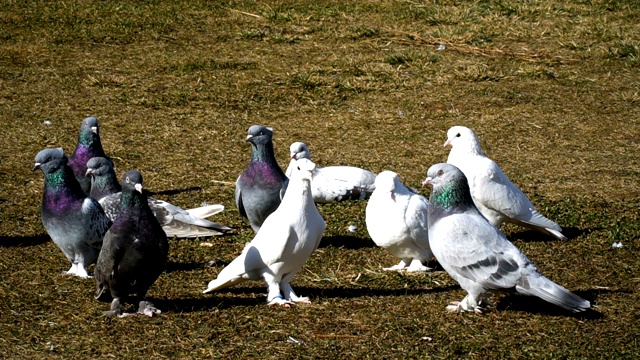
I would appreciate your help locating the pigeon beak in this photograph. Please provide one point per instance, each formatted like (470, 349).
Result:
(249, 137)
(36, 167)
(138, 188)
(94, 129)
(89, 172)
(448, 142)
(427, 181)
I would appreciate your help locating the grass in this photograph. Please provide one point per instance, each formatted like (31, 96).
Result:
(550, 87)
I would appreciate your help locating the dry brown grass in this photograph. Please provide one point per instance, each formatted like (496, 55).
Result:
(550, 87)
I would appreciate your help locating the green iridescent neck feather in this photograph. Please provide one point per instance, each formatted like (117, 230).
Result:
(453, 195)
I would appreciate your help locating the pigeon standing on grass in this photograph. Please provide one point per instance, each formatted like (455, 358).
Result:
(75, 221)
(492, 192)
(396, 219)
(89, 146)
(282, 245)
(476, 254)
(261, 186)
(334, 183)
(174, 220)
(134, 252)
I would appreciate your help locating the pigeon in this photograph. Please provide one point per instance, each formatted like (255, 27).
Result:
(75, 221)
(89, 146)
(492, 192)
(174, 220)
(476, 253)
(283, 244)
(396, 219)
(260, 188)
(134, 251)
(334, 183)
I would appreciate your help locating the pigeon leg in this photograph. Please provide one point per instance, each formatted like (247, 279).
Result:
(82, 272)
(401, 265)
(274, 297)
(73, 270)
(288, 292)
(116, 310)
(468, 304)
(416, 266)
(146, 307)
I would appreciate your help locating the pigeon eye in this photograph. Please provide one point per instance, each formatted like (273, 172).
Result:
(458, 135)
(440, 172)
(127, 180)
(298, 167)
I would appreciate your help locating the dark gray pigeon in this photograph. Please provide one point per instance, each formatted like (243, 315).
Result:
(134, 251)
(261, 186)
(175, 221)
(75, 221)
(476, 253)
(89, 146)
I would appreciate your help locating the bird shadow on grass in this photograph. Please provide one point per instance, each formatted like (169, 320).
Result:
(225, 299)
(534, 305)
(346, 242)
(173, 266)
(23, 241)
(173, 191)
(536, 236)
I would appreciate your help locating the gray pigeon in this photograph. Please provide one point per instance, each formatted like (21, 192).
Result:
(334, 183)
(260, 188)
(396, 219)
(75, 221)
(89, 146)
(283, 244)
(174, 220)
(476, 254)
(495, 196)
(134, 252)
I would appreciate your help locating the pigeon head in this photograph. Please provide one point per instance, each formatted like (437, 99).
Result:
(98, 166)
(89, 131)
(259, 134)
(462, 137)
(132, 181)
(50, 160)
(450, 186)
(299, 150)
(303, 169)
(387, 181)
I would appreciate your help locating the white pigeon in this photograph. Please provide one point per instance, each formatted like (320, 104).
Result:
(476, 254)
(285, 241)
(492, 192)
(334, 183)
(396, 219)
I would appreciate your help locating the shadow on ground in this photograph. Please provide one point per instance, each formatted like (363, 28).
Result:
(23, 241)
(534, 305)
(346, 242)
(224, 299)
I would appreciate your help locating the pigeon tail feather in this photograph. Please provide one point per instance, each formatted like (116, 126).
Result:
(549, 291)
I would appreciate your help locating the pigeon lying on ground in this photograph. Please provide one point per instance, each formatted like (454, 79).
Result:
(282, 245)
(492, 192)
(75, 221)
(89, 146)
(174, 220)
(260, 188)
(476, 254)
(396, 219)
(134, 252)
(334, 183)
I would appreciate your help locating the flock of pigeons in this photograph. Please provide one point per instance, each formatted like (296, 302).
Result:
(93, 218)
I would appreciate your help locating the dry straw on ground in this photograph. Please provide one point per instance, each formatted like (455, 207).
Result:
(551, 88)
